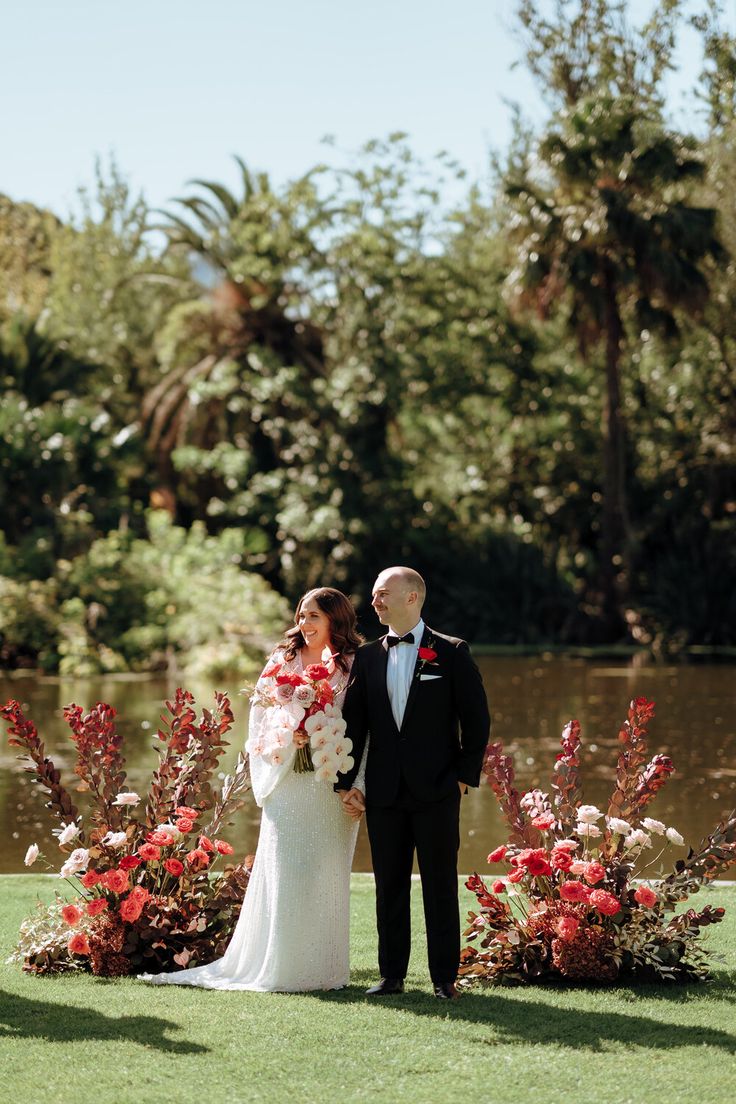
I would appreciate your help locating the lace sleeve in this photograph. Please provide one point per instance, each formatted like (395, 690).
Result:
(359, 782)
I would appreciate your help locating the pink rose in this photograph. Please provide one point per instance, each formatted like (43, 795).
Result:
(560, 859)
(575, 891)
(605, 902)
(543, 821)
(646, 896)
(566, 927)
(594, 873)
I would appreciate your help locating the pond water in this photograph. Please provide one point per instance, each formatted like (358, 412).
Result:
(531, 700)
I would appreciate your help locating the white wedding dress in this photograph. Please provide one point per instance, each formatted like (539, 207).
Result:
(293, 933)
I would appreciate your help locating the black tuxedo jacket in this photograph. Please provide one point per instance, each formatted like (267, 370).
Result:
(444, 731)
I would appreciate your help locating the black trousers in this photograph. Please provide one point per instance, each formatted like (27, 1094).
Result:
(434, 832)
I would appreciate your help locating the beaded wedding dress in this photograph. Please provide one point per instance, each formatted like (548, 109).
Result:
(293, 932)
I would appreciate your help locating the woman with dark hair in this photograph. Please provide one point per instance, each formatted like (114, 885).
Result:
(293, 931)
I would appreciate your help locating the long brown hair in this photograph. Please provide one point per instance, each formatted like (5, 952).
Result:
(339, 609)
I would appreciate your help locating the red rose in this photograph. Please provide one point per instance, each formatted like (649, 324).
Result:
(271, 670)
(325, 694)
(71, 915)
(499, 887)
(566, 927)
(160, 837)
(115, 880)
(290, 680)
(594, 873)
(185, 824)
(605, 902)
(198, 859)
(130, 909)
(90, 879)
(575, 891)
(516, 875)
(206, 843)
(186, 811)
(174, 867)
(646, 896)
(78, 943)
(427, 654)
(498, 854)
(316, 672)
(95, 907)
(129, 862)
(560, 859)
(149, 852)
(224, 847)
(535, 860)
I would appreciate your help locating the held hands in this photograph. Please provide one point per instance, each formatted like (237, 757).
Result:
(353, 802)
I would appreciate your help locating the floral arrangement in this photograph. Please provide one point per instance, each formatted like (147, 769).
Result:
(145, 896)
(576, 902)
(301, 711)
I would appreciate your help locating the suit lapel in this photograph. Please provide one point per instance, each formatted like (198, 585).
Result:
(414, 686)
(381, 689)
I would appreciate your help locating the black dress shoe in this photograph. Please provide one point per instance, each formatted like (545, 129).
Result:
(386, 987)
(446, 990)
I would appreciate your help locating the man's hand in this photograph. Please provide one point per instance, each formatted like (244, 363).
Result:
(353, 802)
(463, 788)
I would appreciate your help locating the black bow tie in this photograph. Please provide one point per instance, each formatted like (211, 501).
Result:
(407, 639)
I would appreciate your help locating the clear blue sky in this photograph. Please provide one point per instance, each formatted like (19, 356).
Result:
(172, 89)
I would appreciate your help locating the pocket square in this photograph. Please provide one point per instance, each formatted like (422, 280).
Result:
(426, 678)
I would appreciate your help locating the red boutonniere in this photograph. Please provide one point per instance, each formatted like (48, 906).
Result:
(427, 654)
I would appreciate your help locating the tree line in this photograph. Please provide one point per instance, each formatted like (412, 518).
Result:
(527, 394)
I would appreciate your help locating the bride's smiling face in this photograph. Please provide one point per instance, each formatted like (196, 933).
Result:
(314, 625)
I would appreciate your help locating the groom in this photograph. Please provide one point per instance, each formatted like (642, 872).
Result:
(419, 696)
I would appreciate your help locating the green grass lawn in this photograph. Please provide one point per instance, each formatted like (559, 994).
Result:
(79, 1039)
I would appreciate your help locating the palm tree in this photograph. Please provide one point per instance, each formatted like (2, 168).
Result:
(605, 229)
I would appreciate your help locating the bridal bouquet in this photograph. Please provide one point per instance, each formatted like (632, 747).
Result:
(302, 705)
(575, 902)
(140, 869)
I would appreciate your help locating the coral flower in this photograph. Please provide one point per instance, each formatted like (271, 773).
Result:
(566, 927)
(161, 838)
(90, 879)
(149, 852)
(206, 843)
(497, 855)
(575, 891)
(224, 847)
(646, 896)
(605, 902)
(499, 886)
(594, 872)
(560, 859)
(94, 908)
(198, 859)
(186, 811)
(71, 915)
(78, 943)
(516, 875)
(115, 880)
(543, 821)
(185, 824)
(173, 866)
(130, 909)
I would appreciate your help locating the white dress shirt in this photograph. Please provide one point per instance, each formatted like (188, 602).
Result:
(402, 660)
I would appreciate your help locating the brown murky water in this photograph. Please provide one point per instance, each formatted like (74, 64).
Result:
(531, 699)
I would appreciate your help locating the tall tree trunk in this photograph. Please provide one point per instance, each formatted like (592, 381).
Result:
(613, 565)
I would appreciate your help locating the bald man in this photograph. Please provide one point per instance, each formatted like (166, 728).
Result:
(420, 696)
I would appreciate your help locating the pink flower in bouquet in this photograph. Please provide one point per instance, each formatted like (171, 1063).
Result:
(566, 927)
(173, 866)
(78, 944)
(560, 859)
(516, 875)
(130, 909)
(575, 891)
(224, 847)
(186, 811)
(498, 855)
(115, 880)
(185, 824)
(566, 845)
(161, 838)
(127, 798)
(140, 893)
(129, 862)
(646, 896)
(304, 695)
(90, 879)
(578, 867)
(31, 855)
(594, 872)
(543, 821)
(95, 907)
(499, 886)
(77, 861)
(71, 915)
(284, 693)
(198, 859)
(605, 902)
(206, 843)
(149, 852)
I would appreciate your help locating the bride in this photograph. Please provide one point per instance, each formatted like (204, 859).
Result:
(293, 931)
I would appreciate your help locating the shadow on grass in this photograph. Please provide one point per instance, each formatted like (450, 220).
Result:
(539, 1022)
(21, 1018)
